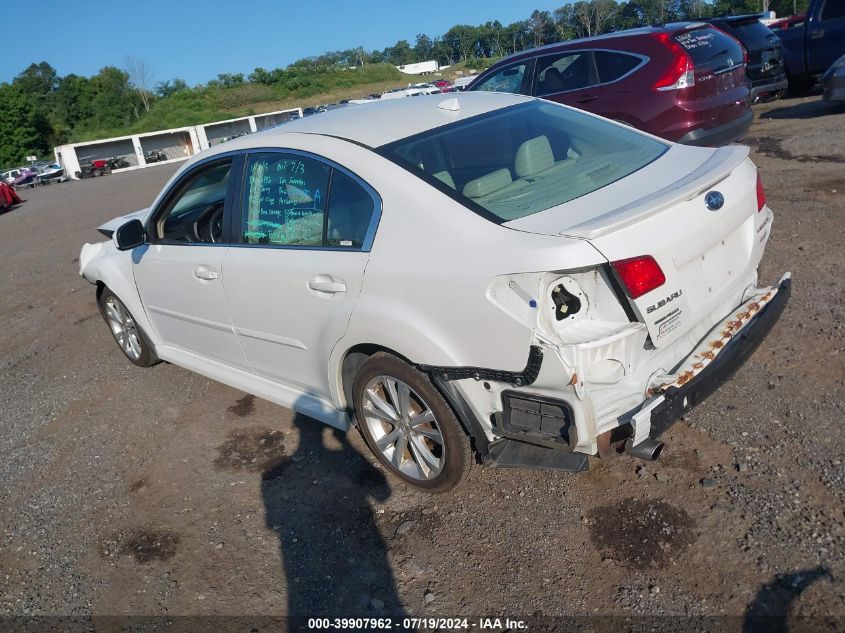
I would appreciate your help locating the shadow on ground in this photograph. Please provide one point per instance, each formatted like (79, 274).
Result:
(804, 110)
(769, 611)
(317, 500)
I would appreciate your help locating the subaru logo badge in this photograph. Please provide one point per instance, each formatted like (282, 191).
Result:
(714, 200)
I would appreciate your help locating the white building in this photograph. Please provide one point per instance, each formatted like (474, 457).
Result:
(176, 144)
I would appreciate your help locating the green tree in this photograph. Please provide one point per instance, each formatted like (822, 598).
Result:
(20, 135)
(423, 47)
(400, 53)
(113, 103)
(172, 86)
(736, 7)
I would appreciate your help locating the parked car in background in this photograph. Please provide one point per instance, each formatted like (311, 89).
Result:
(461, 83)
(764, 65)
(833, 81)
(26, 176)
(490, 266)
(683, 82)
(444, 85)
(11, 175)
(811, 48)
(412, 90)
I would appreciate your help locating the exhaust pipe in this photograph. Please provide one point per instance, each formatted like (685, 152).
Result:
(648, 449)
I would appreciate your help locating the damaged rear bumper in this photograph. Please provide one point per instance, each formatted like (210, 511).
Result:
(709, 369)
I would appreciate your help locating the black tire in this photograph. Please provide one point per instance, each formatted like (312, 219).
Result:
(146, 356)
(454, 453)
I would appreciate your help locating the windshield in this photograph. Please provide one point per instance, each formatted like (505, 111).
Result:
(521, 160)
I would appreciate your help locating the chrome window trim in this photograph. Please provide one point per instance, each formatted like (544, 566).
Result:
(369, 236)
(644, 59)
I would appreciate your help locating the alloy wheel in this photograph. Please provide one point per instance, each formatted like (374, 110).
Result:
(123, 327)
(403, 428)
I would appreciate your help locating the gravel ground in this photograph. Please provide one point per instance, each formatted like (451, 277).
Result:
(158, 492)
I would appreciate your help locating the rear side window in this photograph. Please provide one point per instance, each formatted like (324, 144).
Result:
(350, 211)
(571, 70)
(285, 200)
(506, 80)
(833, 9)
(293, 200)
(612, 65)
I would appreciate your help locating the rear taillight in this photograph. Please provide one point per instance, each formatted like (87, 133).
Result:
(681, 71)
(639, 274)
(761, 193)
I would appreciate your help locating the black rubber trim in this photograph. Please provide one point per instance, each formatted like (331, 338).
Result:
(617, 288)
(507, 453)
(465, 415)
(731, 358)
(721, 134)
(516, 378)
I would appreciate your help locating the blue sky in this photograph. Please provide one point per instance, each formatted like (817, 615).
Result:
(197, 40)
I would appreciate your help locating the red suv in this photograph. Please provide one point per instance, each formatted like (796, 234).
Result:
(685, 82)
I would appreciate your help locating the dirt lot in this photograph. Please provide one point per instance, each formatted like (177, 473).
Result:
(159, 492)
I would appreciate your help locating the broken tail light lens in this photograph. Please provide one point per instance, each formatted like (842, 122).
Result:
(761, 193)
(639, 274)
(681, 72)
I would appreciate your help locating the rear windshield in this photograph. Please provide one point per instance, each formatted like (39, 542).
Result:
(709, 47)
(752, 33)
(524, 159)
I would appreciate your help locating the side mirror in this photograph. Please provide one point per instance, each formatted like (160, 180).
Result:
(130, 235)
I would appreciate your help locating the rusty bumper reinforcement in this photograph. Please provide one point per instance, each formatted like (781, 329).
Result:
(739, 338)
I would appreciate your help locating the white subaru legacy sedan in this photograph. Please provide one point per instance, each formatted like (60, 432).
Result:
(486, 274)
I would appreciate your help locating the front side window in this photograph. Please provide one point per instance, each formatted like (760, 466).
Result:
(506, 80)
(294, 200)
(195, 213)
(542, 155)
(572, 70)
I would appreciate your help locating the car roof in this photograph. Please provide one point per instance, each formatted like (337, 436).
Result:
(381, 122)
(671, 27)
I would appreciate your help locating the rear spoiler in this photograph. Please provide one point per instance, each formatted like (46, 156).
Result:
(712, 171)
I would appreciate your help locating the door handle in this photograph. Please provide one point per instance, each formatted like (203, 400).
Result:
(586, 99)
(206, 273)
(817, 35)
(326, 283)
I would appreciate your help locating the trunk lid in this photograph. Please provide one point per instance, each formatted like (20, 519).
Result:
(708, 256)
